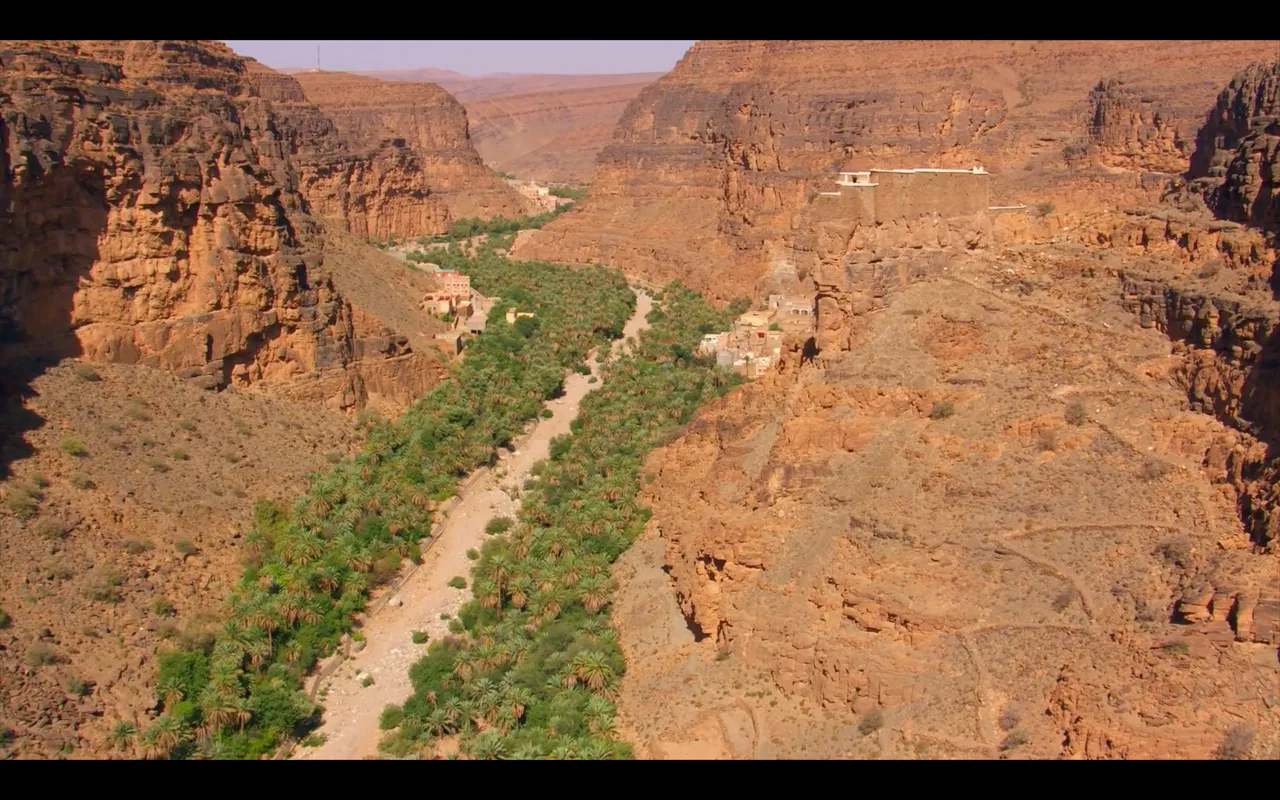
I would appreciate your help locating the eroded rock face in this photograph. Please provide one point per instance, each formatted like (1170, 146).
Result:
(1027, 485)
(150, 213)
(419, 171)
(838, 532)
(714, 167)
(1127, 129)
(1237, 156)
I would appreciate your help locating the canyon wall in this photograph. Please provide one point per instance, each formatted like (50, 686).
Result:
(550, 135)
(1128, 130)
(151, 213)
(422, 171)
(713, 166)
(1237, 159)
(542, 127)
(1022, 504)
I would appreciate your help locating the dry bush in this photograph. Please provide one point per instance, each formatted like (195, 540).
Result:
(1176, 550)
(1010, 717)
(1237, 743)
(1014, 738)
(41, 654)
(1047, 439)
(103, 585)
(1065, 598)
(49, 528)
(1155, 468)
(1076, 414)
(871, 722)
(942, 410)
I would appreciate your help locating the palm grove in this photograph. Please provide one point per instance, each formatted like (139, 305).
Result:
(533, 672)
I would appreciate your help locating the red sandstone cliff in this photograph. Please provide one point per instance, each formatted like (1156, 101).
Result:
(151, 212)
(713, 164)
(421, 171)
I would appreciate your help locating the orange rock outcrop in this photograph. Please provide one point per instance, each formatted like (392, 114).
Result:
(152, 212)
(403, 162)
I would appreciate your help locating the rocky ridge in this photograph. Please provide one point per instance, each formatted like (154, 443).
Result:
(403, 164)
(712, 165)
(154, 216)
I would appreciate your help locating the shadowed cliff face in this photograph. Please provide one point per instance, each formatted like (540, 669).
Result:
(419, 170)
(712, 164)
(150, 214)
(1237, 159)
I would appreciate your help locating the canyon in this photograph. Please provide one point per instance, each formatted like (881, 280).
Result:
(1014, 498)
(187, 309)
(546, 128)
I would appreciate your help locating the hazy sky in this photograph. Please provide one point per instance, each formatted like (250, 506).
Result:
(472, 58)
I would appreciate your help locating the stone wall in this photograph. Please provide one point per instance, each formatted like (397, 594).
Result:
(904, 195)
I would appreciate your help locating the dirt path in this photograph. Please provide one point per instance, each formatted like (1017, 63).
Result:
(351, 709)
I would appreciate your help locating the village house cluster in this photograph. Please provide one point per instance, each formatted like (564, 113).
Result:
(541, 195)
(452, 298)
(754, 344)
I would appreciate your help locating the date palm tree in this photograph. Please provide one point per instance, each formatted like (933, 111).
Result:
(592, 668)
(122, 735)
(594, 593)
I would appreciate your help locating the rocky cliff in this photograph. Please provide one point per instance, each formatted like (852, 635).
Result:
(418, 170)
(1237, 159)
(1023, 502)
(550, 135)
(1127, 129)
(151, 213)
(713, 166)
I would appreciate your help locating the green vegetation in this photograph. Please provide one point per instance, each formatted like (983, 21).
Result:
(466, 228)
(73, 446)
(498, 525)
(390, 718)
(419, 637)
(534, 674)
(458, 582)
(186, 547)
(309, 565)
(87, 373)
(81, 481)
(574, 193)
(4, 619)
(179, 454)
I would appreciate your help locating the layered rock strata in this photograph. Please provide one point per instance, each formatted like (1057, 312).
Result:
(416, 169)
(714, 166)
(151, 213)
